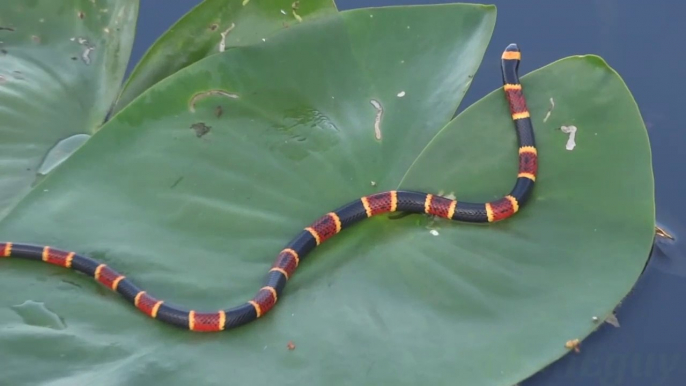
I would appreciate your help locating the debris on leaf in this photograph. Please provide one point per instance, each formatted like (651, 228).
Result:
(85, 56)
(612, 320)
(291, 345)
(298, 17)
(178, 181)
(377, 120)
(294, 8)
(571, 130)
(206, 94)
(550, 110)
(662, 233)
(573, 345)
(200, 129)
(222, 42)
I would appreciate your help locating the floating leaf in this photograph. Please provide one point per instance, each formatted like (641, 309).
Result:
(61, 63)
(198, 220)
(212, 27)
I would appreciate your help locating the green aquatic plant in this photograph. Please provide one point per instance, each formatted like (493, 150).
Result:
(218, 151)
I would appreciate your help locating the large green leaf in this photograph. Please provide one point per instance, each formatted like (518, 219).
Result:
(61, 63)
(212, 27)
(198, 220)
(514, 292)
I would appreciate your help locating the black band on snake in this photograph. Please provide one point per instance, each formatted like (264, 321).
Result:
(328, 225)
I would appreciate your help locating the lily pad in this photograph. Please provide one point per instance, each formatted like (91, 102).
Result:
(518, 290)
(61, 63)
(288, 133)
(214, 26)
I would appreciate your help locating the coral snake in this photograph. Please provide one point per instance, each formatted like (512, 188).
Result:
(319, 231)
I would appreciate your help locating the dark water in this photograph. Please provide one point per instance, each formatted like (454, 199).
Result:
(643, 41)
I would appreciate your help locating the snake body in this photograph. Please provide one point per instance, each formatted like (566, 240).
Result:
(318, 232)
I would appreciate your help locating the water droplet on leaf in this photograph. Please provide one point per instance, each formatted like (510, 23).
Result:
(37, 314)
(61, 151)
